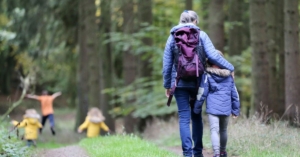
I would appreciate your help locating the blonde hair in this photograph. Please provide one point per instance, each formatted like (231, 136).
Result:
(96, 115)
(188, 16)
(31, 113)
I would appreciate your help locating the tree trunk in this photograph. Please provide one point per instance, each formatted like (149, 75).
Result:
(145, 16)
(204, 13)
(260, 87)
(280, 75)
(107, 77)
(272, 10)
(145, 70)
(246, 26)
(291, 48)
(235, 40)
(130, 70)
(235, 35)
(188, 4)
(93, 52)
(83, 98)
(272, 49)
(216, 24)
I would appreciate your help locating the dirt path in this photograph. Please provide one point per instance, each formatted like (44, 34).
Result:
(68, 151)
(76, 151)
(178, 150)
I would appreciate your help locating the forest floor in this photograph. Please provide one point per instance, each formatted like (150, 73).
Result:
(76, 151)
(67, 151)
(65, 142)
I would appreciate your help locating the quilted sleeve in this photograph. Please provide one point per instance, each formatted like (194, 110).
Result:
(84, 125)
(235, 101)
(104, 126)
(168, 63)
(212, 55)
(21, 124)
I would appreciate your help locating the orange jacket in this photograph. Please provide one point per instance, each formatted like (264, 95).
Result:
(46, 104)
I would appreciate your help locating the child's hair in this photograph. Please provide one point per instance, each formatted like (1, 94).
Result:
(95, 114)
(31, 113)
(209, 64)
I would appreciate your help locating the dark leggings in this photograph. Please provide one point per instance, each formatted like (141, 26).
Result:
(31, 142)
(51, 120)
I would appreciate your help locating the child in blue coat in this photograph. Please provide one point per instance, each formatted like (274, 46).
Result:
(222, 100)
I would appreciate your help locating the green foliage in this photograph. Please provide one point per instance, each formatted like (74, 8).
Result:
(43, 41)
(147, 99)
(146, 95)
(10, 143)
(51, 145)
(243, 69)
(122, 145)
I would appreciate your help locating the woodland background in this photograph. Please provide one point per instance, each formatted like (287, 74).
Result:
(108, 54)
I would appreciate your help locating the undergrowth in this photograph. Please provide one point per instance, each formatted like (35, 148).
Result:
(246, 137)
(11, 144)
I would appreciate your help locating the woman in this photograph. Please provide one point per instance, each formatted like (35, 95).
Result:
(186, 91)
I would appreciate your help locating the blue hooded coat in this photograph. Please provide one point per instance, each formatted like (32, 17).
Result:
(218, 88)
(169, 71)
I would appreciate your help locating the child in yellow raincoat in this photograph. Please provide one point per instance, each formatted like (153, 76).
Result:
(94, 122)
(31, 124)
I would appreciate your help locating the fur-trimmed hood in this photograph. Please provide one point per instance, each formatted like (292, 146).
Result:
(31, 113)
(95, 115)
(218, 74)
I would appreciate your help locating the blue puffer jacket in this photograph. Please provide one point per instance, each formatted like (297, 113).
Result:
(218, 88)
(169, 71)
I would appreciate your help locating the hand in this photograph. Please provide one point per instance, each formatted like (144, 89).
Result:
(232, 74)
(168, 92)
(79, 131)
(234, 116)
(109, 132)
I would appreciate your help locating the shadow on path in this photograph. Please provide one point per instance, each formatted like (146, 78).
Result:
(178, 150)
(68, 151)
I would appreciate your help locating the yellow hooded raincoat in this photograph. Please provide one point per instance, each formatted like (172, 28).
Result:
(94, 122)
(31, 124)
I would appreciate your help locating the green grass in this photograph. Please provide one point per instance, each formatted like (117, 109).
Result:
(246, 137)
(249, 137)
(122, 146)
(171, 140)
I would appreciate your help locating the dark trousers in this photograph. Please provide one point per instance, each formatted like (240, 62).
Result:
(51, 120)
(183, 98)
(31, 142)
